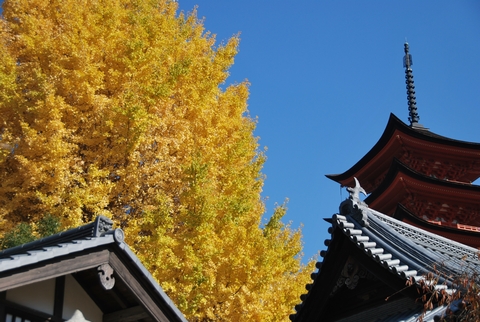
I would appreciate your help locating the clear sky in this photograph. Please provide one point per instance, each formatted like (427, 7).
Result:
(325, 75)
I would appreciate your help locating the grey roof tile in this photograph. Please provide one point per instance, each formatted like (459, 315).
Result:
(32, 256)
(405, 251)
(76, 240)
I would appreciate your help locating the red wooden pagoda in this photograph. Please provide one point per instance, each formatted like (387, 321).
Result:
(420, 177)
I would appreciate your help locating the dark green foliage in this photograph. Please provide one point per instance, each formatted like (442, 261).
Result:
(24, 233)
(21, 234)
(48, 225)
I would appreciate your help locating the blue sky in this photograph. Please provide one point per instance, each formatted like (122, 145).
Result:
(325, 75)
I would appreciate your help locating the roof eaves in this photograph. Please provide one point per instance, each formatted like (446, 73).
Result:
(102, 225)
(398, 168)
(385, 256)
(355, 234)
(450, 248)
(34, 256)
(394, 123)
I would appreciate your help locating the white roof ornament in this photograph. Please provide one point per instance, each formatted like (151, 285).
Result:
(355, 192)
(105, 273)
(77, 317)
(355, 207)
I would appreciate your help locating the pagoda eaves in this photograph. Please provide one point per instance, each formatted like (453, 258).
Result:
(420, 149)
(446, 202)
(465, 234)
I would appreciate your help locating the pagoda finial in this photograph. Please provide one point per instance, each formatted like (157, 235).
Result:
(412, 104)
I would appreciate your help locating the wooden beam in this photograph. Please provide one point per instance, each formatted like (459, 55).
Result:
(127, 315)
(52, 269)
(59, 296)
(96, 296)
(156, 307)
(3, 303)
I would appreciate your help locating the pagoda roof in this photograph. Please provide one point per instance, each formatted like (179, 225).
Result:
(366, 263)
(395, 138)
(402, 183)
(468, 235)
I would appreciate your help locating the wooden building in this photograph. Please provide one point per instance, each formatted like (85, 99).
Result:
(373, 267)
(421, 215)
(424, 179)
(84, 274)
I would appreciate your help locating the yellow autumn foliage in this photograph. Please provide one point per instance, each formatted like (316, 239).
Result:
(116, 107)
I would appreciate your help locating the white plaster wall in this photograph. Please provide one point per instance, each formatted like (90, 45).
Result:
(77, 299)
(38, 296)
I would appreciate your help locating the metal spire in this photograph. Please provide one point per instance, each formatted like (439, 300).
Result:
(412, 104)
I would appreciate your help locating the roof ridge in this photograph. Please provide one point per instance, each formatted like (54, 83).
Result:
(368, 239)
(419, 236)
(386, 259)
(96, 228)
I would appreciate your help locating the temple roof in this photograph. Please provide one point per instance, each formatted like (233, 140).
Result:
(80, 252)
(426, 195)
(366, 263)
(465, 234)
(397, 139)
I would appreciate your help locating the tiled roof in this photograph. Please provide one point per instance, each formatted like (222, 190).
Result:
(470, 150)
(89, 236)
(24, 258)
(403, 250)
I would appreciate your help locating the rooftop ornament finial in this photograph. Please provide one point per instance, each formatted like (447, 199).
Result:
(355, 191)
(355, 207)
(412, 104)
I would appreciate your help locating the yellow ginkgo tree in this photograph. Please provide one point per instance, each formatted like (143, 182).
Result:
(115, 107)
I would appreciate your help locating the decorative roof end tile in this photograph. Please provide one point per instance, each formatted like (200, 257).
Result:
(355, 207)
(102, 225)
